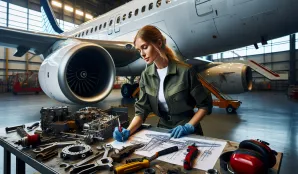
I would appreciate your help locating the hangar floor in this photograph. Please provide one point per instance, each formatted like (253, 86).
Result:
(269, 116)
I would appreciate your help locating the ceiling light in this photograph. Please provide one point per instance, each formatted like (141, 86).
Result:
(57, 4)
(68, 8)
(78, 12)
(88, 16)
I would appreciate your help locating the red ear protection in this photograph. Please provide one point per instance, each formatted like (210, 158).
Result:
(261, 147)
(247, 161)
(253, 156)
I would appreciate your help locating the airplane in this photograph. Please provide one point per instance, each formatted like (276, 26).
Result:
(79, 66)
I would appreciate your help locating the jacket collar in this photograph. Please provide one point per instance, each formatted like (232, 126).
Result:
(172, 69)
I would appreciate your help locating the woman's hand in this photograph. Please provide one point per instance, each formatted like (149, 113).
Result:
(180, 131)
(121, 136)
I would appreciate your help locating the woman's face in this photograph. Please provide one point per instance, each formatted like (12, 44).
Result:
(147, 50)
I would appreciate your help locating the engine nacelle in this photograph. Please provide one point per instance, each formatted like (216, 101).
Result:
(229, 78)
(78, 72)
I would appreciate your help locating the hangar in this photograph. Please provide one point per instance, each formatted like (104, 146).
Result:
(244, 50)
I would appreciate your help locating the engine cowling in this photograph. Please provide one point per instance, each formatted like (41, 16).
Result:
(229, 78)
(78, 72)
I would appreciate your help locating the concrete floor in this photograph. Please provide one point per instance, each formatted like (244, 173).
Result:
(269, 116)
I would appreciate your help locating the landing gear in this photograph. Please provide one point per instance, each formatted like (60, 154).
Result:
(128, 89)
(230, 109)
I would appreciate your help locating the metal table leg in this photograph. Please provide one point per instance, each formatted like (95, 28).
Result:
(7, 162)
(20, 166)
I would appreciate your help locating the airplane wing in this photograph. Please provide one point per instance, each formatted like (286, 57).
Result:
(24, 41)
(40, 43)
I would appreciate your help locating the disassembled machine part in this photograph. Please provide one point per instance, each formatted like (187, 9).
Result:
(76, 151)
(94, 123)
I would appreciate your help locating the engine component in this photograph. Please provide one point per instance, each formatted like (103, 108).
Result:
(228, 78)
(76, 151)
(77, 72)
(52, 115)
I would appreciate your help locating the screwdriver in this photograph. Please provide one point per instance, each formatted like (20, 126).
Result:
(136, 166)
(120, 128)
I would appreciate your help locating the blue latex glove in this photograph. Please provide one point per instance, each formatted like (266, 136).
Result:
(118, 135)
(180, 131)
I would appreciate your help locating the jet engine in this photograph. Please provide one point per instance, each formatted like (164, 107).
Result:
(229, 78)
(77, 72)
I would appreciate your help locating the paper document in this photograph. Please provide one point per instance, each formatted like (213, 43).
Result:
(209, 150)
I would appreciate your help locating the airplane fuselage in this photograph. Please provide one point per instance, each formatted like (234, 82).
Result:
(197, 27)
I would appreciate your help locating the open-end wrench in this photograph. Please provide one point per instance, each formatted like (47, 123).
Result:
(103, 163)
(67, 166)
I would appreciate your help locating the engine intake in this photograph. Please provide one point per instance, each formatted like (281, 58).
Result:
(78, 73)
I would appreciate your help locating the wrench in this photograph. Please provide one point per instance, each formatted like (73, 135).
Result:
(47, 155)
(103, 163)
(67, 166)
(55, 145)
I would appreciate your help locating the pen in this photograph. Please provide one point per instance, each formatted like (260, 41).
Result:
(120, 128)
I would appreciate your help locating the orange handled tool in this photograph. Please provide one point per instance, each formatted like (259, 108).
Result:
(145, 163)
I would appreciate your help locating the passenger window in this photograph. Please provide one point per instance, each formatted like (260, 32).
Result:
(104, 25)
(111, 22)
(168, 1)
(118, 20)
(99, 28)
(143, 9)
(136, 12)
(158, 3)
(91, 30)
(87, 32)
(95, 29)
(150, 5)
(124, 17)
(129, 14)
(82, 34)
(79, 34)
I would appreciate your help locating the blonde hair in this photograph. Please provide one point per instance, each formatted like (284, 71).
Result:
(152, 35)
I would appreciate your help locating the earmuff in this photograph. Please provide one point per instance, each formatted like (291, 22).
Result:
(253, 156)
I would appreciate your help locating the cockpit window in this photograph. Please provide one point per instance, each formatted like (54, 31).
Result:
(124, 17)
(136, 12)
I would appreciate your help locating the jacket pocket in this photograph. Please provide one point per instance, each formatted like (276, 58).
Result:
(178, 92)
(151, 91)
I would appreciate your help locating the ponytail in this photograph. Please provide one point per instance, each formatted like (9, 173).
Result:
(173, 57)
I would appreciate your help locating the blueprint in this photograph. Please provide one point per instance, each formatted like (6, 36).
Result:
(209, 150)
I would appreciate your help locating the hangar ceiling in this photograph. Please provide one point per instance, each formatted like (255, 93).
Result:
(92, 7)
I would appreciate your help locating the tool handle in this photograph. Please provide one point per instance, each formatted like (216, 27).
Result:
(168, 150)
(164, 152)
(189, 158)
(83, 169)
(132, 167)
(22, 132)
(8, 129)
(33, 126)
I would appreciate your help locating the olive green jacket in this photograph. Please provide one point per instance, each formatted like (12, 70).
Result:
(183, 91)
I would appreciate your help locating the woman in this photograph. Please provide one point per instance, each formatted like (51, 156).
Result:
(168, 87)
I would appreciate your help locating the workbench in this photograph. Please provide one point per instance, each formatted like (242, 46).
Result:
(25, 155)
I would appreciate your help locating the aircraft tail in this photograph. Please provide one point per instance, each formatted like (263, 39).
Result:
(49, 22)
